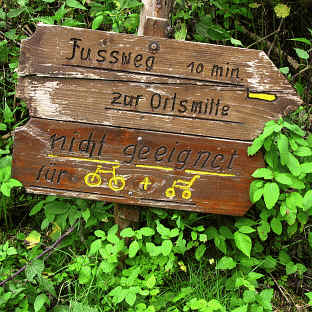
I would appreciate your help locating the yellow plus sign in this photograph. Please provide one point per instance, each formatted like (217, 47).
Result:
(146, 182)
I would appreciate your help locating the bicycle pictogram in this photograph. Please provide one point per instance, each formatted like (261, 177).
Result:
(184, 185)
(115, 183)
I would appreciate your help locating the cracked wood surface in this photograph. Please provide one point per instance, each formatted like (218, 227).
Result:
(134, 166)
(144, 120)
(193, 88)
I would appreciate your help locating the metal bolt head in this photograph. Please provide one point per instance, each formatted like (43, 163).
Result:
(154, 46)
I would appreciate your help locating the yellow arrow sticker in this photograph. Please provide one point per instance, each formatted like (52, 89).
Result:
(262, 96)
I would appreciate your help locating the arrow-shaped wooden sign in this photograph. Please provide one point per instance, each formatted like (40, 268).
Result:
(144, 120)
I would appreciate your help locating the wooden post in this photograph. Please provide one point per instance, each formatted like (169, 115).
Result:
(154, 21)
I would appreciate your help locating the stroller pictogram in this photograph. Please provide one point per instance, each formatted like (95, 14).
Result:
(183, 185)
(115, 183)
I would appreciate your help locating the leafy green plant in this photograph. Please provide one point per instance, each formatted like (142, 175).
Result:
(171, 260)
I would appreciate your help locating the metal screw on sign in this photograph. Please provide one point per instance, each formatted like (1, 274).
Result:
(154, 46)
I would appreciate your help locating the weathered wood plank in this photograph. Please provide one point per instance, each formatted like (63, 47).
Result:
(81, 53)
(206, 110)
(134, 166)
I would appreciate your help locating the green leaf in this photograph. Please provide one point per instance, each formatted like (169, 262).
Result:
(282, 10)
(40, 301)
(85, 274)
(291, 268)
(86, 214)
(303, 151)
(263, 229)
(249, 296)
(284, 258)
(271, 194)
(153, 250)
(133, 249)
(255, 146)
(302, 53)
(310, 239)
(106, 266)
(255, 190)
(95, 246)
(241, 308)
(211, 232)
(265, 173)
(55, 207)
(33, 239)
(226, 263)
(265, 297)
(130, 297)
(200, 250)
(35, 268)
(112, 235)
(166, 247)
(307, 200)
(269, 263)
(220, 243)
(309, 295)
(284, 70)
(236, 42)
(306, 167)
(303, 40)
(215, 305)
(243, 243)
(301, 268)
(283, 178)
(100, 233)
(127, 232)
(253, 276)
(128, 4)
(246, 229)
(47, 285)
(282, 144)
(296, 183)
(5, 189)
(151, 282)
(97, 22)
(244, 222)
(15, 12)
(226, 232)
(276, 226)
(181, 34)
(36, 208)
(75, 4)
(147, 231)
(3, 127)
(162, 230)
(294, 128)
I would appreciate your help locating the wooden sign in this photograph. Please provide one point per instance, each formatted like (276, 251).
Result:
(143, 120)
(136, 166)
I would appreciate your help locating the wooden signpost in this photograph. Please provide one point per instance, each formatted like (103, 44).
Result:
(144, 120)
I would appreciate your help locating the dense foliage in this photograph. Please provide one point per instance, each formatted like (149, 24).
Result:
(169, 261)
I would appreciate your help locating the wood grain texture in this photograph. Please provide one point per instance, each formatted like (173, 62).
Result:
(154, 18)
(206, 110)
(223, 92)
(137, 167)
(50, 52)
(144, 120)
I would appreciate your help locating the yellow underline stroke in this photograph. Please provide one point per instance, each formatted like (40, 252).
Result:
(86, 159)
(210, 173)
(143, 166)
(155, 167)
(262, 96)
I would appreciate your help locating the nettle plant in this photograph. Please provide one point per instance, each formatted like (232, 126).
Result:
(286, 181)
